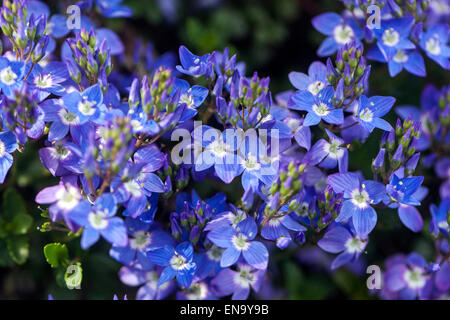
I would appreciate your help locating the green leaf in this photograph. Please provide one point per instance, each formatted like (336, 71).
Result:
(56, 254)
(18, 248)
(21, 223)
(74, 276)
(13, 204)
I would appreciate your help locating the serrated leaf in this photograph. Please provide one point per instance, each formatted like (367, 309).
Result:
(12, 205)
(21, 223)
(18, 248)
(56, 254)
(73, 276)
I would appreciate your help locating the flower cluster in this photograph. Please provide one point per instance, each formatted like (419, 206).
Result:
(109, 137)
(400, 32)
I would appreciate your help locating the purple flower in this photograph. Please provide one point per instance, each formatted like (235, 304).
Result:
(407, 277)
(238, 283)
(239, 240)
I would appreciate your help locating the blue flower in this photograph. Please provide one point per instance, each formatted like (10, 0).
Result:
(219, 152)
(393, 36)
(434, 43)
(193, 97)
(8, 144)
(147, 278)
(411, 60)
(278, 229)
(178, 262)
(339, 32)
(340, 240)
(48, 79)
(359, 197)
(239, 240)
(370, 111)
(86, 105)
(238, 283)
(191, 64)
(314, 81)
(318, 107)
(11, 76)
(439, 222)
(408, 278)
(143, 237)
(336, 153)
(100, 219)
(402, 190)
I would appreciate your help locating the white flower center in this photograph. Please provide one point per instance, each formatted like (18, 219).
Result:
(68, 118)
(197, 291)
(133, 187)
(334, 150)
(360, 198)
(315, 87)
(97, 221)
(178, 262)
(321, 109)
(355, 245)
(251, 163)
(7, 76)
(219, 148)
(391, 37)
(215, 253)
(240, 242)
(366, 115)
(343, 34)
(141, 240)
(433, 46)
(400, 57)
(43, 81)
(86, 107)
(293, 124)
(68, 198)
(188, 99)
(244, 278)
(59, 152)
(415, 278)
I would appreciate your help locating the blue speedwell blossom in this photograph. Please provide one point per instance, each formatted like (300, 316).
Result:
(239, 240)
(11, 76)
(343, 241)
(339, 31)
(178, 262)
(318, 107)
(370, 111)
(359, 197)
(100, 219)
